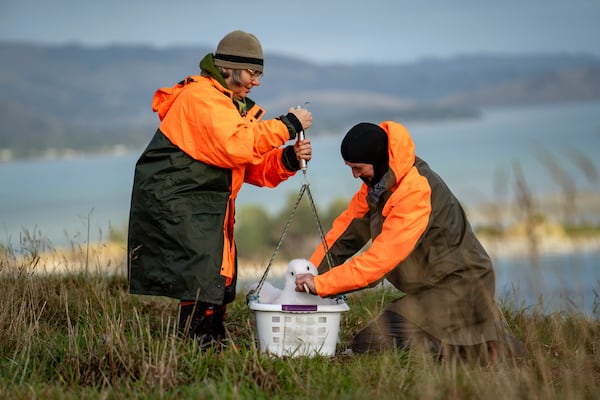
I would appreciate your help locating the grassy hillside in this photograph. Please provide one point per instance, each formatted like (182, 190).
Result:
(79, 334)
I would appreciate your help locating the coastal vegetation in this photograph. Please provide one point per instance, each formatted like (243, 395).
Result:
(78, 333)
(70, 328)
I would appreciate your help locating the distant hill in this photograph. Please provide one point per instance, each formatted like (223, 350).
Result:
(90, 98)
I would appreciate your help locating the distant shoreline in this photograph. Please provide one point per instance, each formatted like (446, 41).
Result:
(106, 257)
(521, 247)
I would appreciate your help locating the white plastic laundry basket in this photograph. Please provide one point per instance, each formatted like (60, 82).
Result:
(298, 330)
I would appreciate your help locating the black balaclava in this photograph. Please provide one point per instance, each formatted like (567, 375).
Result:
(367, 143)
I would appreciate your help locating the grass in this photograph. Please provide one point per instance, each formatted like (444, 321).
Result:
(77, 333)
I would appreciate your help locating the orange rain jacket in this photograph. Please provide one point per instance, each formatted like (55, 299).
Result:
(421, 243)
(186, 181)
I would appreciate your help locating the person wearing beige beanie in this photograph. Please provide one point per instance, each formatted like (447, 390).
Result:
(211, 139)
(239, 50)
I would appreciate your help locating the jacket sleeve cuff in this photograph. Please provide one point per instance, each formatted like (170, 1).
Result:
(292, 123)
(288, 157)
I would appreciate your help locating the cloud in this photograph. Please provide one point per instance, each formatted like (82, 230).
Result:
(323, 31)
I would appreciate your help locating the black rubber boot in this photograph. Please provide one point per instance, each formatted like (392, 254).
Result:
(202, 322)
(218, 326)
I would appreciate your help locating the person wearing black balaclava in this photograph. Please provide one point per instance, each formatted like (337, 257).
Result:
(367, 144)
(422, 244)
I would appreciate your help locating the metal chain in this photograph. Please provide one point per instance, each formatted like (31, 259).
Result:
(304, 189)
(285, 228)
(321, 234)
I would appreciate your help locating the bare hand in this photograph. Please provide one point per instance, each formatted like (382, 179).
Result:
(303, 149)
(303, 115)
(308, 280)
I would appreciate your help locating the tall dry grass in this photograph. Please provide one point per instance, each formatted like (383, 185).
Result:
(70, 329)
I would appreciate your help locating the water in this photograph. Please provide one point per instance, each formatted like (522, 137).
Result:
(62, 199)
(470, 154)
(79, 199)
(556, 282)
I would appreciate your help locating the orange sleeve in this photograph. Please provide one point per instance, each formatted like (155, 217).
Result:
(407, 214)
(204, 123)
(357, 208)
(270, 172)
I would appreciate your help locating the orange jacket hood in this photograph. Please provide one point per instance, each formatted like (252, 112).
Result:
(401, 148)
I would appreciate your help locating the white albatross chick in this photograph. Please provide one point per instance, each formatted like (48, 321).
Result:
(289, 295)
(268, 293)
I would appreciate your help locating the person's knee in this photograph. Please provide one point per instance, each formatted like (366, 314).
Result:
(379, 335)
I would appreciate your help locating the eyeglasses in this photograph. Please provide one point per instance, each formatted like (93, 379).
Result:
(254, 75)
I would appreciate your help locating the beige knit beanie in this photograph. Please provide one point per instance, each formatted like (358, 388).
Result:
(239, 50)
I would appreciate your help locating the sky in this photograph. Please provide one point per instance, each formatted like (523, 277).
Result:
(321, 31)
